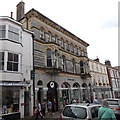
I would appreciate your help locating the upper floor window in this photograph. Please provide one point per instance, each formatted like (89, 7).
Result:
(64, 67)
(12, 63)
(56, 58)
(74, 66)
(13, 33)
(2, 31)
(53, 39)
(48, 37)
(75, 50)
(79, 51)
(1, 60)
(81, 67)
(49, 57)
(42, 33)
(72, 48)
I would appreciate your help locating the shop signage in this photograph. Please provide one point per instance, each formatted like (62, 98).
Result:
(52, 84)
(101, 89)
(12, 84)
(71, 79)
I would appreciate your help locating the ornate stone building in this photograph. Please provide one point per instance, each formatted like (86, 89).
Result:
(60, 60)
(99, 80)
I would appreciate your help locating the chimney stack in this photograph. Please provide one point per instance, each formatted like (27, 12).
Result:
(11, 15)
(20, 11)
(108, 63)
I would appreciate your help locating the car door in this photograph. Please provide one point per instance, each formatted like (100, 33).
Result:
(94, 112)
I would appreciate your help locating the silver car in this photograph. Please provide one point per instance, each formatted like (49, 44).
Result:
(82, 111)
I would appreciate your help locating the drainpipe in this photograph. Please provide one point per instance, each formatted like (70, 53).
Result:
(34, 74)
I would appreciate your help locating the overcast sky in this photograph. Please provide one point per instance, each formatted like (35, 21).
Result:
(94, 21)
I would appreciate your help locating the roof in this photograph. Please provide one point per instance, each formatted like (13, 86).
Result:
(55, 25)
(84, 105)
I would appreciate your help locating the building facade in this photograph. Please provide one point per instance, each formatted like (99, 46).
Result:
(114, 79)
(60, 61)
(99, 80)
(16, 62)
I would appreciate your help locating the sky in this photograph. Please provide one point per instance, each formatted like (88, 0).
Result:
(94, 21)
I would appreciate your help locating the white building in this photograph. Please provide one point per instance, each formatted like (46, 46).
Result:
(99, 80)
(16, 62)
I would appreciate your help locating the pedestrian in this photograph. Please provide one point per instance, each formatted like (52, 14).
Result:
(105, 113)
(95, 101)
(39, 111)
(43, 108)
(49, 107)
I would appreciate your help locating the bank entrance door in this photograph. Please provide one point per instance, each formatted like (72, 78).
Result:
(52, 95)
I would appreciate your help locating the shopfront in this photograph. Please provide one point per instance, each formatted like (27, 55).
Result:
(12, 100)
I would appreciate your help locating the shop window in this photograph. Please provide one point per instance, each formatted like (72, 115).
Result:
(82, 67)
(10, 100)
(13, 34)
(42, 33)
(1, 60)
(2, 31)
(49, 57)
(12, 63)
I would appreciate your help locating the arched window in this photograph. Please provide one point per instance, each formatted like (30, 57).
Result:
(81, 67)
(42, 33)
(48, 37)
(56, 58)
(64, 68)
(72, 48)
(49, 57)
(74, 66)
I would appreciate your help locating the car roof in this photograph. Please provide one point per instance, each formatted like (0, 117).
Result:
(112, 99)
(85, 105)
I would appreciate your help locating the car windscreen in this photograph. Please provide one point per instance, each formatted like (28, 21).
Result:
(75, 112)
(113, 102)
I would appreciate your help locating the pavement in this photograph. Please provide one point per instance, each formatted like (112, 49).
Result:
(54, 116)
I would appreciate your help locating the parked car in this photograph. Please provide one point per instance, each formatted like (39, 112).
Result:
(115, 105)
(1, 118)
(81, 111)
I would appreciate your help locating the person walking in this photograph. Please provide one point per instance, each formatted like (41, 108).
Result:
(95, 101)
(49, 107)
(43, 108)
(39, 111)
(105, 113)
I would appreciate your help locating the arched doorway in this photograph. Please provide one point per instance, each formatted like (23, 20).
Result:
(84, 91)
(76, 91)
(40, 91)
(65, 93)
(52, 95)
